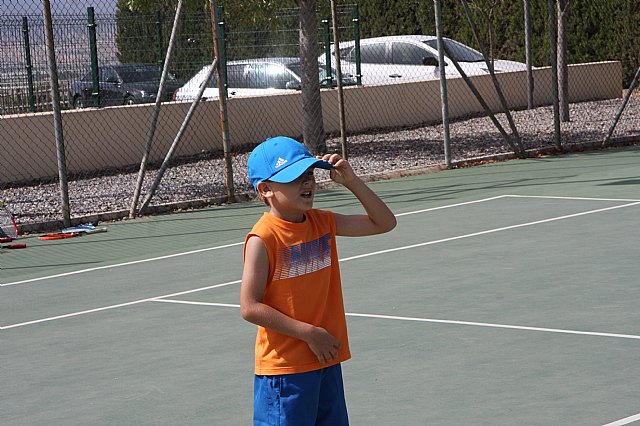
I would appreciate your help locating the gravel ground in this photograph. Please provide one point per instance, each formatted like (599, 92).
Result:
(375, 153)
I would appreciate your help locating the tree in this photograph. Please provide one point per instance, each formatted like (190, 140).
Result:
(245, 14)
(313, 131)
(487, 11)
(143, 25)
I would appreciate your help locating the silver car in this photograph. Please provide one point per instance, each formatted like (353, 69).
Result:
(396, 59)
(255, 77)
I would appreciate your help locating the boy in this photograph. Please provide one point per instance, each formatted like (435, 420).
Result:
(291, 284)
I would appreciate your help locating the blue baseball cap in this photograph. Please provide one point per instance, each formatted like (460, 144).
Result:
(281, 159)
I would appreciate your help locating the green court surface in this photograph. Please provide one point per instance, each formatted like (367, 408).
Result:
(507, 295)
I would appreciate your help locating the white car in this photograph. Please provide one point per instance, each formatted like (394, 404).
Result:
(254, 77)
(396, 59)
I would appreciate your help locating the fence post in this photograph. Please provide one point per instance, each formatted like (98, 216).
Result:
(57, 115)
(222, 60)
(217, 34)
(557, 137)
(356, 38)
(327, 51)
(159, 40)
(527, 50)
(29, 66)
(93, 50)
(444, 99)
(336, 43)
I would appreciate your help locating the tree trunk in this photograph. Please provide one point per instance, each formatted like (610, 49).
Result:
(313, 131)
(563, 60)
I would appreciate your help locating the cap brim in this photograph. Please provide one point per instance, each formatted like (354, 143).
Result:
(295, 170)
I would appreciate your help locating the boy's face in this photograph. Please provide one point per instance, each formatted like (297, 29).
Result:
(290, 200)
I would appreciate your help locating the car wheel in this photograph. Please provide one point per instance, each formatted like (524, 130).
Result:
(78, 102)
(129, 101)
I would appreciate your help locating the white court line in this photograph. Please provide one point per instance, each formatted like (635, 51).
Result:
(625, 421)
(490, 231)
(354, 257)
(239, 243)
(120, 305)
(452, 205)
(439, 321)
(153, 259)
(210, 248)
(551, 197)
(506, 326)
(189, 302)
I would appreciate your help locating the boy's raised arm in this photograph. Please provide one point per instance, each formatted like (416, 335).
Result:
(379, 217)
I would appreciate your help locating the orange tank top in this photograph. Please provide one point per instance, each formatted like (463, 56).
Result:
(303, 283)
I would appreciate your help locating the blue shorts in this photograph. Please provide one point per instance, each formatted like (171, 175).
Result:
(313, 398)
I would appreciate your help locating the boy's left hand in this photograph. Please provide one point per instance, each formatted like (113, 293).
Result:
(341, 172)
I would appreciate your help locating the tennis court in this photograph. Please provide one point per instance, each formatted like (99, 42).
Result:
(507, 295)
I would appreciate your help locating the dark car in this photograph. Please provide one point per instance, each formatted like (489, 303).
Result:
(125, 84)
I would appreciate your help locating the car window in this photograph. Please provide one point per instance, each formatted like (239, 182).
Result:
(408, 54)
(295, 69)
(265, 76)
(348, 53)
(213, 81)
(108, 75)
(236, 77)
(324, 78)
(138, 74)
(458, 51)
(373, 53)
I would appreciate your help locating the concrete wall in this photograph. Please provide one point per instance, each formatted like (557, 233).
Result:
(115, 137)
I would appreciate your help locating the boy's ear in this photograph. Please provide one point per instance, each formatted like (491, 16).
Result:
(264, 189)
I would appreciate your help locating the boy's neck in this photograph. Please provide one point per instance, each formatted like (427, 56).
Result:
(293, 217)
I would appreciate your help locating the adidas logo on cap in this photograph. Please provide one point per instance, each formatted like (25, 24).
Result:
(281, 162)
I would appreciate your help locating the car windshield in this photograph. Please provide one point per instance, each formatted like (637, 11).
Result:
(459, 52)
(136, 75)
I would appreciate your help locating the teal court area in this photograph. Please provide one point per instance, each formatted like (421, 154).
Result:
(507, 295)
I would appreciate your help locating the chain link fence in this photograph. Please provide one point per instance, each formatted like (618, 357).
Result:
(106, 118)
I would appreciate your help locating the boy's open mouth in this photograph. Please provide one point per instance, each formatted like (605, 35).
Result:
(307, 194)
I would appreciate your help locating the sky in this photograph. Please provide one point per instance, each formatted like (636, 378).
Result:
(58, 7)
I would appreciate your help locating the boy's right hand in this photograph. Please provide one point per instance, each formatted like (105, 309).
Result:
(342, 172)
(322, 344)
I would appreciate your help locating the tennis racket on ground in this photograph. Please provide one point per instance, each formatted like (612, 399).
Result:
(13, 246)
(8, 227)
(59, 236)
(85, 229)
